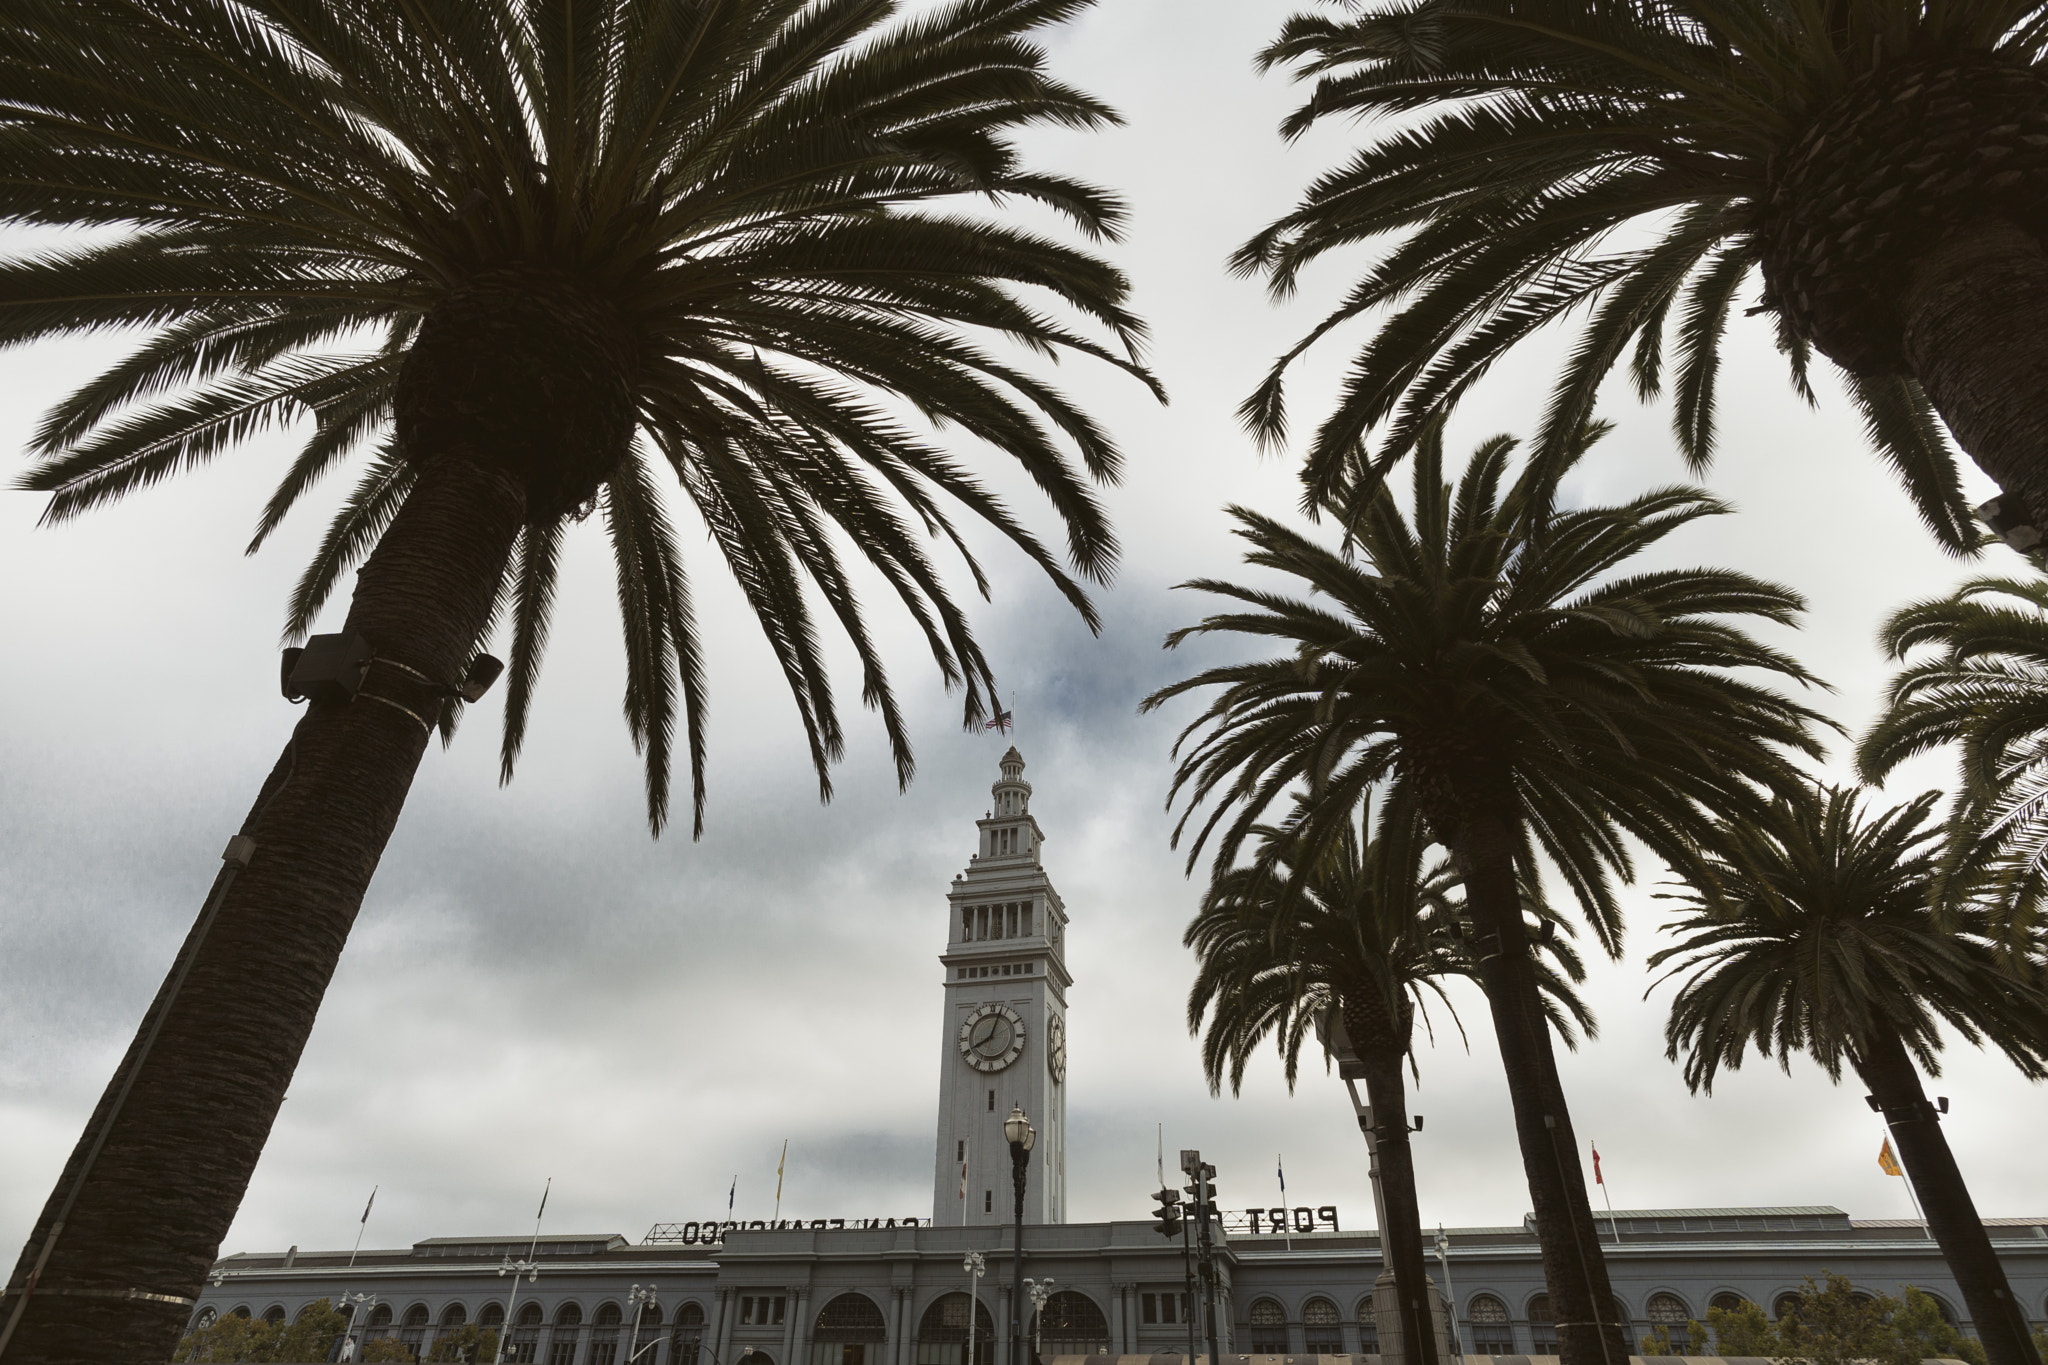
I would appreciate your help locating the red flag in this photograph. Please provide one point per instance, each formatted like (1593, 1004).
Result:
(1596, 1166)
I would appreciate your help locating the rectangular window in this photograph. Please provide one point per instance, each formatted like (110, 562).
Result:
(966, 921)
(1149, 1308)
(981, 921)
(991, 1101)
(780, 1302)
(961, 1154)
(1012, 920)
(1027, 919)
(988, 1201)
(746, 1310)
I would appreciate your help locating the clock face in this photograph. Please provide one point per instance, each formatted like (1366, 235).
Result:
(992, 1038)
(1056, 1049)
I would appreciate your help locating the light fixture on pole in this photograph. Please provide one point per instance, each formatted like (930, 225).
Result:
(1040, 1291)
(531, 1270)
(638, 1301)
(1443, 1261)
(359, 1306)
(976, 1265)
(1021, 1136)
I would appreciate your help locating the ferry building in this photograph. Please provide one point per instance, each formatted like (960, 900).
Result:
(893, 1291)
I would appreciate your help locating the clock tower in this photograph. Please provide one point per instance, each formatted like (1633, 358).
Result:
(1004, 1040)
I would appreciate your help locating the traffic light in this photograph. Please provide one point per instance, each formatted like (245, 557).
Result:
(1166, 1218)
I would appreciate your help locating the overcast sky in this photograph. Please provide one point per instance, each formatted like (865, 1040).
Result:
(536, 989)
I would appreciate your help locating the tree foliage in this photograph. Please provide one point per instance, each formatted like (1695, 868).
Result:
(794, 214)
(1597, 165)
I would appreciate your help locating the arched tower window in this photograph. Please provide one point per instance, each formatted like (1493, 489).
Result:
(1368, 1327)
(1071, 1325)
(686, 1340)
(942, 1333)
(850, 1331)
(1727, 1302)
(567, 1335)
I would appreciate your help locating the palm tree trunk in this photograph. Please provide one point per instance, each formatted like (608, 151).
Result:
(1574, 1268)
(1401, 1238)
(1975, 320)
(153, 1184)
(2000, 1319)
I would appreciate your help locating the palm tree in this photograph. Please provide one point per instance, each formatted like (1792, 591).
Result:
(523, 262)
(1819, 936)
(1880, 164)
(1983, 688)
(1282, 949)
(1511, 693)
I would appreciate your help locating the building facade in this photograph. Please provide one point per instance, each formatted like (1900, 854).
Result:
(894, 1291)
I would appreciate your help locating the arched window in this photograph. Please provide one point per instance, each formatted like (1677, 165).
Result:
(309, 1309)
(1268, 1322)
(1786, 1305)
(417, 1315)
(1542, 1326)
(850, 1331)
(412, 1334)
(380, 1316)
(1668, 1315)
(454, 1315)
(522, 1346)
(1492, 1333)
(604, 1334)
(206, 1318)
(568, 1333)
(1319, 1328)
(1071, 1325)
(1368, 1328)
(1727, 1301)
(274, 1315)
(1948, 1314)
(687, 1340)
(650, 1315)
(242, 1311)
(942, 1333)
(491, 1315)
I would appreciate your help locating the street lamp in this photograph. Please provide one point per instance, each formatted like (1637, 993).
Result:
(1040, 1291)
(358, 1318)
(531, 1270)
(638, 1302)
(976, 1265)
(1443, 1260)
(1021, 1134)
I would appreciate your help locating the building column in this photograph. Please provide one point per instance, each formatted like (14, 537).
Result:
(721, 1324)
(799, 1350)
(1116, 1319)
(1002, 1325)
(789, 1328)
(892, 1345)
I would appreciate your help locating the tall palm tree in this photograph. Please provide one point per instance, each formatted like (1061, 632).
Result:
(1281, 948)
(1512, 691)
(1819, 936)
(1975, 674)
(523, 261)
(1880, 164)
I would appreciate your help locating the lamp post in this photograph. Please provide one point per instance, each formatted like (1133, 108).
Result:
(976, 1265)
(638, 1302)
(1443, 1261)
(1040, 1291)
(1022, 1135)
(358, 1317)
(531, 1270)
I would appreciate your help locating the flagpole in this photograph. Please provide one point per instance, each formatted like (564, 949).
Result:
(1606, 1192)
(537, 1217)
(1280, 1169)
(1905, 1179)
(361, 1226)
(778, 1179)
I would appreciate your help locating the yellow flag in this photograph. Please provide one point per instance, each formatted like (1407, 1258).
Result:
(1886, 1162)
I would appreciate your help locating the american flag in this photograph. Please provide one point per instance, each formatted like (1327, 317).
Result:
(1001, 722)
